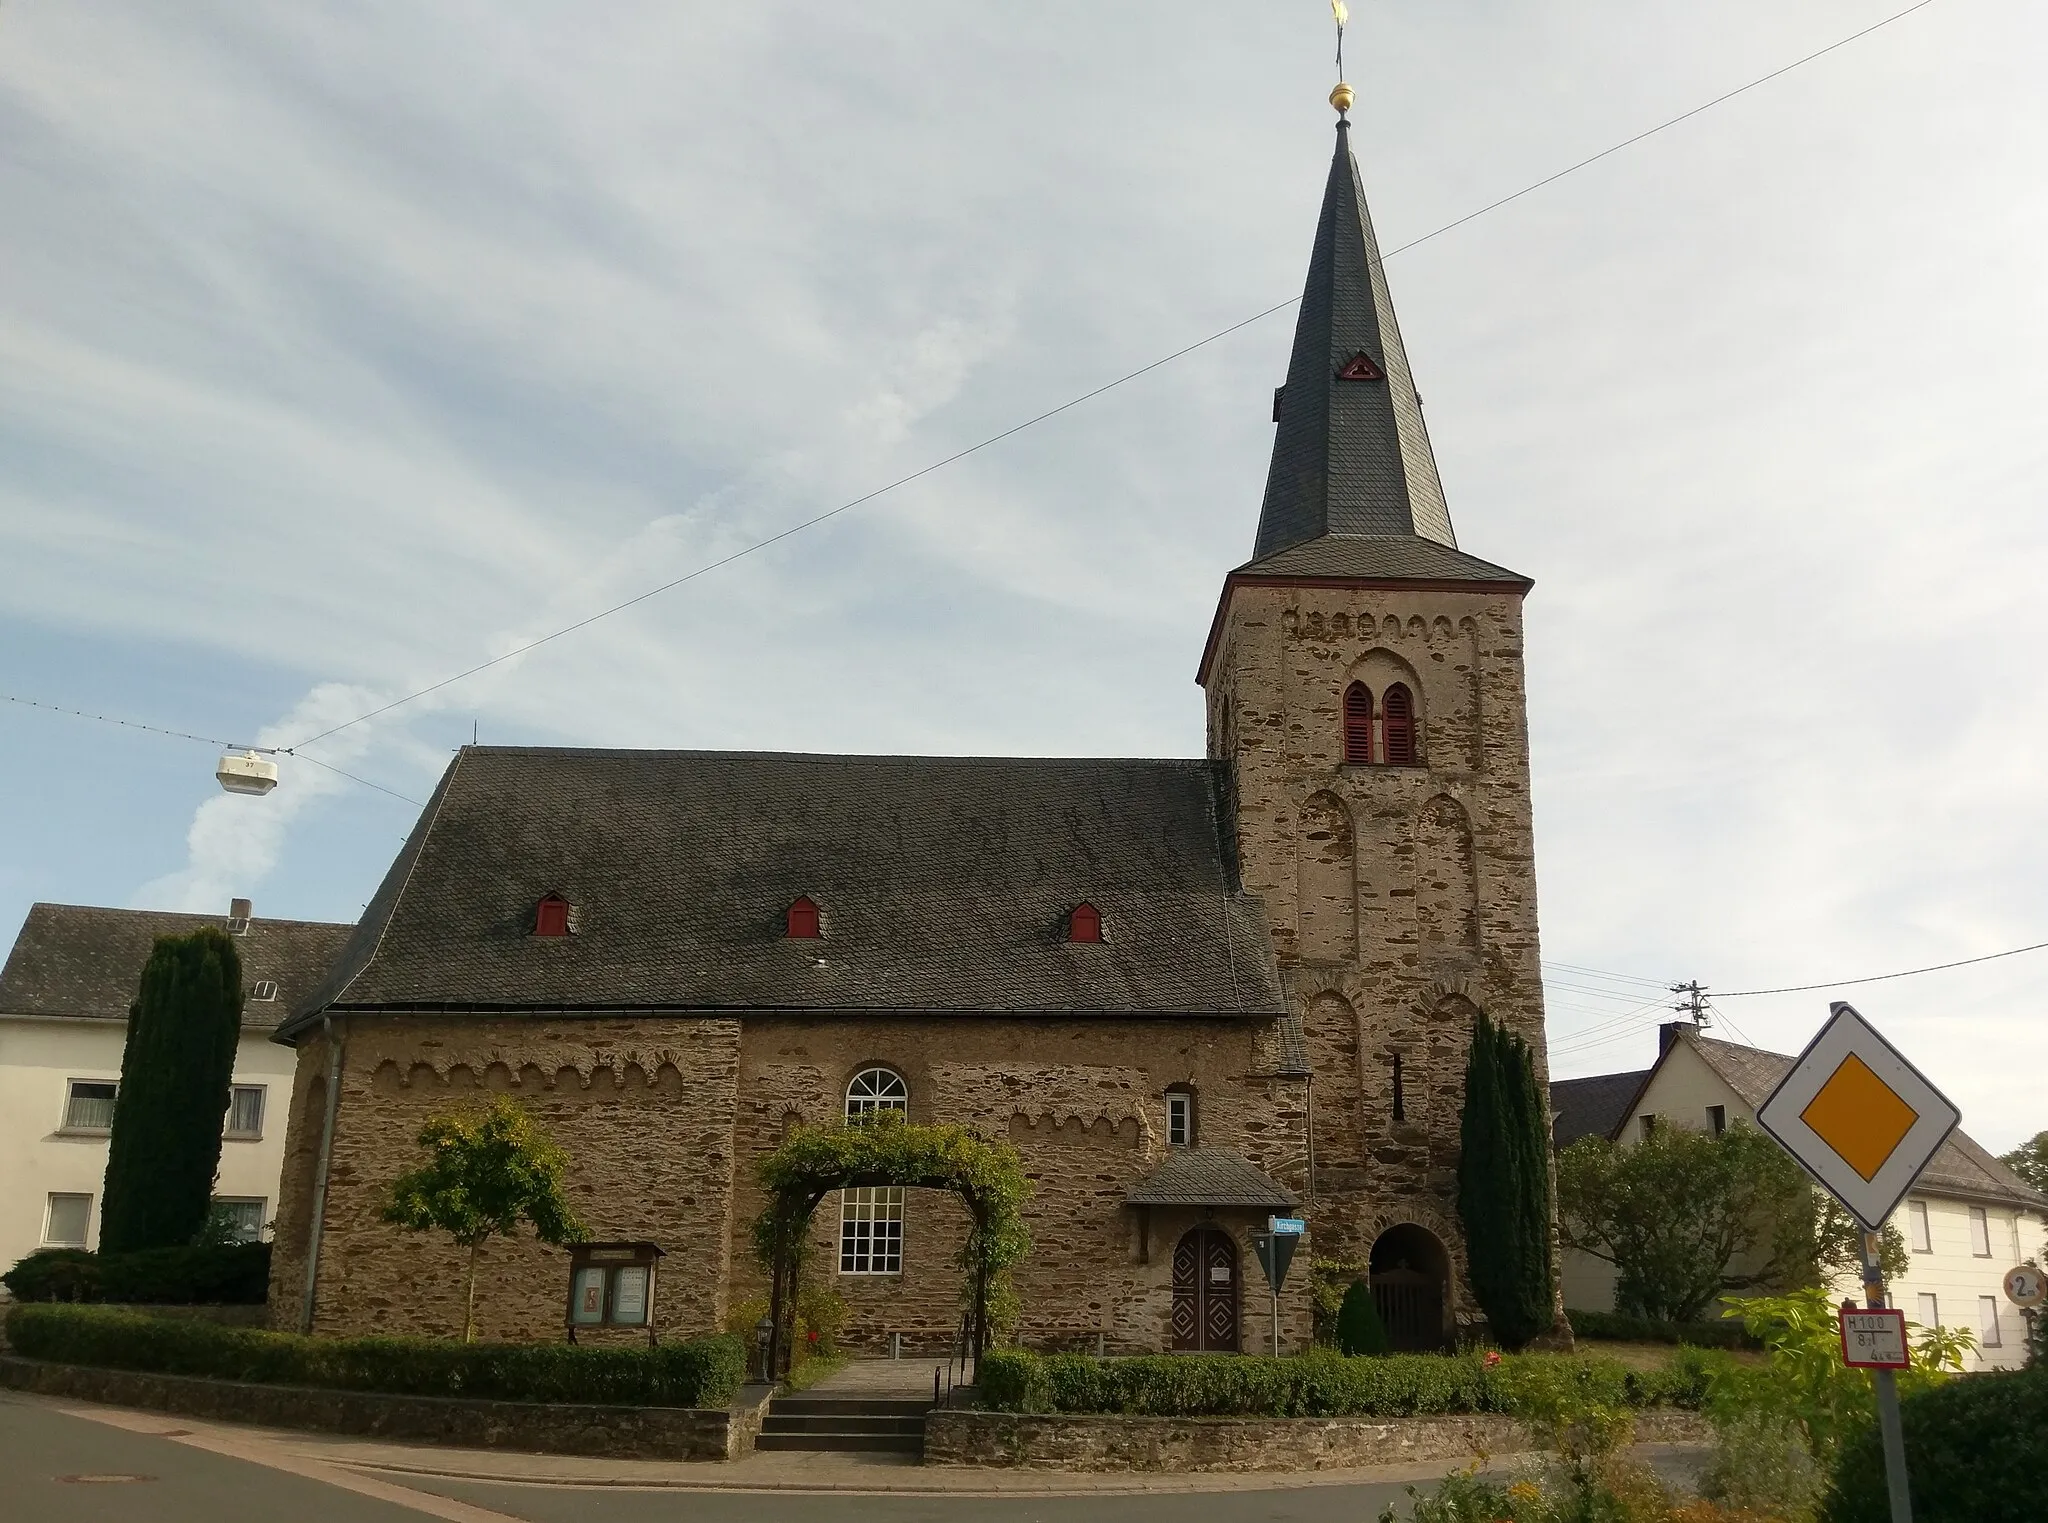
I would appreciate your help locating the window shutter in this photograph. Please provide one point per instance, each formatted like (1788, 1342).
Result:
(551, 916)
(1084, 923)
(803, 920)
(1400, 727)
(1358, 723)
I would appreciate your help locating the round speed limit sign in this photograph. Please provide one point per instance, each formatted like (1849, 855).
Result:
(2026, 1286)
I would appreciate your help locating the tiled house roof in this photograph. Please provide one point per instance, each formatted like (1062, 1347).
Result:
(944, 886)
(1592, 1107)
(1208, 1177)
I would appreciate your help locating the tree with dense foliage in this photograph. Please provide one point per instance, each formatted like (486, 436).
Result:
(1685, 1217)
(177, 1070)
(1504, 1186)
(2030, 1161)
(1359, 1330)
(486, 1172)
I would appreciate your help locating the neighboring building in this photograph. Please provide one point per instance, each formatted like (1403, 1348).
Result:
(1193, 993)
(1967, 1221)
(64, 999)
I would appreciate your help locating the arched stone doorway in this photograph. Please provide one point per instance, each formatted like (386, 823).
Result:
(1205, 1292)
(1411, 1286)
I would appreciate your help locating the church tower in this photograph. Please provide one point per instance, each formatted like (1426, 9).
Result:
(1364, 684)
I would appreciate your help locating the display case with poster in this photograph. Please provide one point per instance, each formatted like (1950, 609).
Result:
(612, 1285)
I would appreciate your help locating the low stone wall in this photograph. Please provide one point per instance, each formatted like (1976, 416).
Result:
(654, 1433)
(1066, 1442)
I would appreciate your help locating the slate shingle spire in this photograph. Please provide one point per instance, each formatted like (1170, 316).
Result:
(1351, 456)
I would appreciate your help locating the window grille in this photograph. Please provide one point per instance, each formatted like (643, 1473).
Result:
(1399, 727)
(1357, 723)
(67, 1221)
(871, 1230)
(245, 1111)
(876, 1089)
(1916, 1222)
(89, 1106)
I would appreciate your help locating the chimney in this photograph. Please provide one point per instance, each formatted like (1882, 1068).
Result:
(1668, 1033)
(240, 912)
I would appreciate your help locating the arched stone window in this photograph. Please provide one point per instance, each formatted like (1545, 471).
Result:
(1357, 724)
(876, 1089)
(1397, 745)
(871, 1218)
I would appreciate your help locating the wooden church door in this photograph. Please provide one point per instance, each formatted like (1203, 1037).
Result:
(1205, 1292)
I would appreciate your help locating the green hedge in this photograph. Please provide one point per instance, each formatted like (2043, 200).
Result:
(230, 1274)
(1976, 1448)
(703, 1372)
(1319, 1384)
(1616, 1327)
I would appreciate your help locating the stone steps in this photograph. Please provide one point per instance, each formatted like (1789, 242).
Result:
(866, 1424)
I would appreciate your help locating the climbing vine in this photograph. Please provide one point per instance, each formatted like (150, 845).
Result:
(885, 1150)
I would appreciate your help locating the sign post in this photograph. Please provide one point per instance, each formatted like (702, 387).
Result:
(2027, 1287)
(1864, 1122)
(1275, 1248)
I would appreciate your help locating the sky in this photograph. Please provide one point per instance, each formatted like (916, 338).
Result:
(343, 348)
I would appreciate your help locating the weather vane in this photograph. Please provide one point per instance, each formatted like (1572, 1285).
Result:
(1341, 96)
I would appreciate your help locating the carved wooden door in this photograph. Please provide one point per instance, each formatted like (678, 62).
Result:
(1205, 1292)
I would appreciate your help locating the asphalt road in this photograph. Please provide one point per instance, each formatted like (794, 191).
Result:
(59, 1468)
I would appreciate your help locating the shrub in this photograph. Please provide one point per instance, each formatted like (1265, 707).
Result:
(1319, 1384)
(1618, 1327)
(704, 1372)
(1761, 1465)
(1974, 1448)
(229, 1274)
(1358, 1322)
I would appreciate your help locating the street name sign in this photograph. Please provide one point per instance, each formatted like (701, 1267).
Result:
(1874, 1338)
(2025, 1286)
(1292, 1225)
(1861, 1118)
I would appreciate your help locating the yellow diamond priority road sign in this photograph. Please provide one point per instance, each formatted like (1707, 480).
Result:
(1861, 1118)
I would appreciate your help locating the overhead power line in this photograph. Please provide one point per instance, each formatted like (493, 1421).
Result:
(1108, 386)
(1878, 978)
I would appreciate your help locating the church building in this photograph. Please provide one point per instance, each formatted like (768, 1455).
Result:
(1193, 994)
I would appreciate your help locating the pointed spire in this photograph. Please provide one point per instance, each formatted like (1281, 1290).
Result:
(1351, 456)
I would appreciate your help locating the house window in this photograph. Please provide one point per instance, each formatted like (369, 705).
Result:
(1399, 727)
(1916, 1226)
(1084, 923)
(1980, 1233)
(876, 1089)
(266, 989)
(1648, 1124)
(871, 1231)
(65, 1223)
(1357, 723)
(1180, 1118)
(89, 1105)
(1987, 1323)
(245, 1113)
(802, 921)
(1717, 1118)
(1400, 1096)
(243, 1217)
(551, 916)
(1930, 1309)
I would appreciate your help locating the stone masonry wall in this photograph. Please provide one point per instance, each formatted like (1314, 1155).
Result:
(1402, 899)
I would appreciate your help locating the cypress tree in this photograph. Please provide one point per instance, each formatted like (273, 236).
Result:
(1504, 1185)
(176, 1072)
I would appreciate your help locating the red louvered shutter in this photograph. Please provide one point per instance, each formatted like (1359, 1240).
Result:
(1400, 727)
(803, 919)
(1358, 723)
(1085, 923)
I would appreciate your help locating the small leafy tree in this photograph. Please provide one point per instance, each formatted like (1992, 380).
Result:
(486, 1171)
(177, 1070)
(1358, 1322)
(1504, 1186)
(2030, 1161)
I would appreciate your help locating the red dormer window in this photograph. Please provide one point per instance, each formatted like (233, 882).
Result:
(803, 920)
(551, 916)
(1084, 923)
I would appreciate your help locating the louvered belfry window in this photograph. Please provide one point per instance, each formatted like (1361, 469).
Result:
(803, 919)
(1357, 723)
(551, 916)
(1400, 727)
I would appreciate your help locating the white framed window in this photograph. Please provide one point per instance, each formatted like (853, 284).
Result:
(1180, 1118)
(876, 1089)
(1980, 1233)
(266, 989)
(1930, 1309)
(244, 1216)
(245, 1113)
(89, 1105)
(68, 1221)
(871, 1230)
(1916, 1227)
(1987, 1323)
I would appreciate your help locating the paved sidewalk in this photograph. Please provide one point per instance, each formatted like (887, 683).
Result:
(873, 1378)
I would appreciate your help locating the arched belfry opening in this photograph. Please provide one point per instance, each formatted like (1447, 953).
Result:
(1411, 1287)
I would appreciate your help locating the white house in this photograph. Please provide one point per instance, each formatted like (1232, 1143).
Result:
(1967, 1221)
(64, 999)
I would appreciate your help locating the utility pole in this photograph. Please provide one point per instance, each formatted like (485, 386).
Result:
(1694, 1004)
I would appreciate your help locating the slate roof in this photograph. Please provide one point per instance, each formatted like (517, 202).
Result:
(1380, 558)
(944, 884)
(1349, 456)
(81, 962)
(1208, 1177)
(1592, 1107)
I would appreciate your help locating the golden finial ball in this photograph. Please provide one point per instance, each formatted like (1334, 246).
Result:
(1341, 96)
